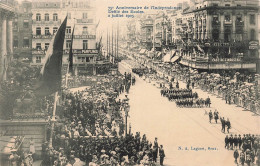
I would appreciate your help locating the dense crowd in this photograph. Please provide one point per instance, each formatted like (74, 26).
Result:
(92, 128)
(185, 97)
(129, 150)
(234, 87)
(248, 146)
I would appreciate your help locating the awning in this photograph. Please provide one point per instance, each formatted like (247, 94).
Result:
(175, 58)
(167, 57)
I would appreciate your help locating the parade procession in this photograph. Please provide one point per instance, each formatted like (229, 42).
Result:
(129, 83)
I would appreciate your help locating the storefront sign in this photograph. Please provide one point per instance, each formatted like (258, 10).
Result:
(77, 51)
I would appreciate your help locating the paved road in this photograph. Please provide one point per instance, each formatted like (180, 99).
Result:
(178, 128)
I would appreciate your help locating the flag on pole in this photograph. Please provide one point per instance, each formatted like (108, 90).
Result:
(98, 23)
(200, 49)
(71, 53)
(49, 80)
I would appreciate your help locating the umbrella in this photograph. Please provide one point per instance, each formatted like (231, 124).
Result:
(227, 78)
(218, 86)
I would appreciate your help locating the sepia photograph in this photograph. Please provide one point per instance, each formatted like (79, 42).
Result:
(129, 83)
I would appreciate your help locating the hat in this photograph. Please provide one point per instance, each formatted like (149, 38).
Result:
(103, 151)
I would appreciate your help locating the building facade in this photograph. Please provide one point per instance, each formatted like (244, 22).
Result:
(48, 16)
(22, 31)
(6, 33)
(218, 35)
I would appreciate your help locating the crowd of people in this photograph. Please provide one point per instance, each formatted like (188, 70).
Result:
(91, 128)
(246, 148)
(225, 124)
(110, 151)
(185, 97)
(238, 88)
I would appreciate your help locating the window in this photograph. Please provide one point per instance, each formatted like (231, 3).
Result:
(227, 17)
(26, 42)
(68, 44)
(46, 4)
(15, 43)
(84, 15)
(38, 46)
(46, 17)
(47, 31)
(215, 4)
(38, 59)
(68, 30)
(24, 10)
(87, 59)
(252, 19)
(38, 31)
(38, 17)
(238, 5)
(55, 29)
(215, 35)
(26, 23)
(227, 35)
(85, 44)
(85, 30)
(239, 18)
(47, 46)
(227, 4)
(252, 34)
(55, 17)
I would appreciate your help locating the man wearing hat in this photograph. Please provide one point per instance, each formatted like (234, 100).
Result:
(161, 154)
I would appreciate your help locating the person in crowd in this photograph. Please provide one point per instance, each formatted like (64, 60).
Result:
(223, 124)
(161, 154)
(236, 155)
(216, 116)
(210, 116)
(228, 124)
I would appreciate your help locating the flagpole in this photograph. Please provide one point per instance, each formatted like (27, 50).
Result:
(53, 117)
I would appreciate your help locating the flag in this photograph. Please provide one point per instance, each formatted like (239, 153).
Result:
(49, 80)
(200, 49)
(173, 55)
(97, 24)
(71, 54)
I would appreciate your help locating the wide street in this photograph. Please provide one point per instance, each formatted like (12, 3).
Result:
(182, 130)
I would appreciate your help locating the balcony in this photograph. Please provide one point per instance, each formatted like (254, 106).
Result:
(204, 63)
(42, 36)
(228, 22)
(240, 23)
(38, 52)
(7, 5)
(85, 21)
(58, 22)
(215, 23)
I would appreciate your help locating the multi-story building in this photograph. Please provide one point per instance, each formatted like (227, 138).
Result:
(48, 16)
(223, 32)
(147, 32)
(22, 31)
(6, 33)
